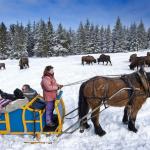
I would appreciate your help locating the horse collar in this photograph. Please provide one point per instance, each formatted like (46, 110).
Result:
(144, 81)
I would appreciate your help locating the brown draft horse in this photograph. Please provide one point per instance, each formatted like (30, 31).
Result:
(98, 90)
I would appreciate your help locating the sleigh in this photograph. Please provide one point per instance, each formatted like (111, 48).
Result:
(30, 119)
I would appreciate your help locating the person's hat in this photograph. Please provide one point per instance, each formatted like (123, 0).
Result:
(51, 67)
(47, 68)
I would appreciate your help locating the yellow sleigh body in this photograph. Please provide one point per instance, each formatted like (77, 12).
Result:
(29, 120)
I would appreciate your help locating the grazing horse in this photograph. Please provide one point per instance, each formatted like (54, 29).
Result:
(132, 57)
(104, 58)
(137, 61)
(129, 90)
(88, 59)
(148, 53)
(24, 63)
(2, 65)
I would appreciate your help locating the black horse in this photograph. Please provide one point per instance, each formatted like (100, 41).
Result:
(104, 58)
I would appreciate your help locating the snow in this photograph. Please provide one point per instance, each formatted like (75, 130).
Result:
(69, 70)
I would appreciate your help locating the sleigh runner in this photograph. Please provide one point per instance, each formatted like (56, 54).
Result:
(30, 120)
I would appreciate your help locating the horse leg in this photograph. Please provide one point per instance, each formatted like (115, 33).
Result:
(28, 65)
(95, 119)
(82, 62)
(134, 110)
(131, 125)
(110, 63)
(83, 109)
(83, 123)
(125, 118)
(21, 67)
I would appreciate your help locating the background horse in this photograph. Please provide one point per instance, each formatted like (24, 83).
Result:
(132, 57)
(88, 59)
(98, 90)
(24, 62)
(139, 61)
(104, 58)
(2, 65)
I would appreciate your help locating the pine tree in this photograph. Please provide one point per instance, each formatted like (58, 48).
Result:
(96, 39)
(141, 36)
(118, 37)
(102, 40)
(3, 40)
(41, 47)
(109, 43)
(63, 42)
(87, 36)
(133, 41)
(29, 40)
(17, 34)
(92, 39)
(50, 38)
(73, 42)
(81, 38)
(148, 38)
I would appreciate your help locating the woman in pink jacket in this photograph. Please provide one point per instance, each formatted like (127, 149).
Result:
(50, 87)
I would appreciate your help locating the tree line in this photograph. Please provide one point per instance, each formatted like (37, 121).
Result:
(40, 39)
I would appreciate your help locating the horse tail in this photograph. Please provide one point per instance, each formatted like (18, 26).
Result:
(82, 104)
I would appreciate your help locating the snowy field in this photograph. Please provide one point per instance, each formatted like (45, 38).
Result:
(68, 70)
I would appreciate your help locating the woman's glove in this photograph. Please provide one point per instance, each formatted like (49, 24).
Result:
(60, 86)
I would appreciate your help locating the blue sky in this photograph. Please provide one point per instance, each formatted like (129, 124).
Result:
(71, 12)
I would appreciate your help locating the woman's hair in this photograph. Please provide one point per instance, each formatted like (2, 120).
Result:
(47, 68)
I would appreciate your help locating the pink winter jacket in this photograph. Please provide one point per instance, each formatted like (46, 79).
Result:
(49, 87)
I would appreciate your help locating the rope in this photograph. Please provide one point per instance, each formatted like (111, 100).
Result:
(74, 83)
(80, 81)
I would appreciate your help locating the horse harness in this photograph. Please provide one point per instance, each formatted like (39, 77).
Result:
(131, 93)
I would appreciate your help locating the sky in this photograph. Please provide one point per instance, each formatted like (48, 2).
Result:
(71, 12)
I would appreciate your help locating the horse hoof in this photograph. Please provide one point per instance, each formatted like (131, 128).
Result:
(87, 126)
(81, 130)
(133, 130)
(101, 133)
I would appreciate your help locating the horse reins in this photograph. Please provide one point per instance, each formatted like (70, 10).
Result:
(81, 81)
